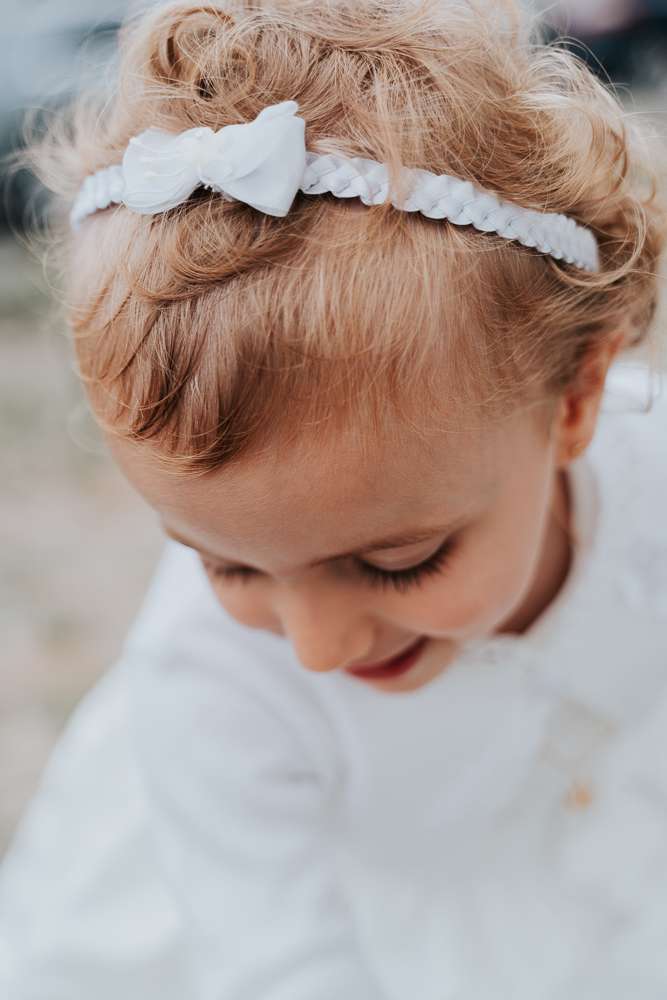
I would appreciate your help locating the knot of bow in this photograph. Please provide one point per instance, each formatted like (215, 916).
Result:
(261, 163)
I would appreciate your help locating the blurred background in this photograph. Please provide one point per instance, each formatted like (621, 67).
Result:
(77, 545)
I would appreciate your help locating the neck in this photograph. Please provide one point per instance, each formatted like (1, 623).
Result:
(554, 564)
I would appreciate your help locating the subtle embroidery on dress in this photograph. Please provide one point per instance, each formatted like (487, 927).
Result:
(580, 795)
(575, 737)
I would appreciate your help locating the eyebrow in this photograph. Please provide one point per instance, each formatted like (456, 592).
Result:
(410, 537)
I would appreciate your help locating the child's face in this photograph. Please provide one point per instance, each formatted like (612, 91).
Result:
(284, 518)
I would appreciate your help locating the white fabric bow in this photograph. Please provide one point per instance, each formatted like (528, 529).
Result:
(261, 163)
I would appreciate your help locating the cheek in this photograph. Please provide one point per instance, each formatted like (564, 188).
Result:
(487, 584)
(501, 582)
(472, 608)
(244, 603)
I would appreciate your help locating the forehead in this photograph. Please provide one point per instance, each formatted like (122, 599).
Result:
(325, 494)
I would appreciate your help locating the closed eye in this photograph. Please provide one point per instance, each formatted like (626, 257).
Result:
(401, 580)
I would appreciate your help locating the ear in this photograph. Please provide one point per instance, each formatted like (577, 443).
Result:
(578, 408)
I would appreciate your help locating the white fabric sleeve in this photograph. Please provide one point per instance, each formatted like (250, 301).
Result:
(242, 814)
(84, 912)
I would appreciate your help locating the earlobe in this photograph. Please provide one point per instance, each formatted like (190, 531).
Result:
(579, 406)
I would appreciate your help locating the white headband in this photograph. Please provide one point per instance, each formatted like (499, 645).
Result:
(264, 163)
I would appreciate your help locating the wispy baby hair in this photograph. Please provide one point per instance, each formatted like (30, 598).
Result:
(212, 329)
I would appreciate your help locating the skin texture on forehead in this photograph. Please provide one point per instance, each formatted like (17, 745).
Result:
(282, 510)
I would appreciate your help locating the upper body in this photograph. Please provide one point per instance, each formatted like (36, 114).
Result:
(294, 834)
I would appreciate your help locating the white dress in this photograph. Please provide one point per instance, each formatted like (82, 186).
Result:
(217, 823)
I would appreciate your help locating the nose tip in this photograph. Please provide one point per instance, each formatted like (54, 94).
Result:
(325, 661)
(316, 670)
(325, 639)
(325, 666)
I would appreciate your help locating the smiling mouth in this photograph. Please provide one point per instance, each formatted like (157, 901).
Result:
(393, 667)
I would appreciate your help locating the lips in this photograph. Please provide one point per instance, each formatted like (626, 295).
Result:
(363, 669)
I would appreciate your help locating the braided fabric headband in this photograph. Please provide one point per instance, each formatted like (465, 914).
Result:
(264, 163)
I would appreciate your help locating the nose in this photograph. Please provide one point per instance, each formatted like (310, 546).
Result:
(327, 633)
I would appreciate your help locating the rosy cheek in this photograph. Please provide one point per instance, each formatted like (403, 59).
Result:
(476, 600)
(443, 608)
(466, 608)
(500, 593)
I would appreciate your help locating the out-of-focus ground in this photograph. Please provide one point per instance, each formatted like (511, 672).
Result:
(77, 544)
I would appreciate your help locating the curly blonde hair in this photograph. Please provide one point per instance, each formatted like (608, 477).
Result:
(212, 329)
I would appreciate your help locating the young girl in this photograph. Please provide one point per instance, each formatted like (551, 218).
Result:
(352, 287)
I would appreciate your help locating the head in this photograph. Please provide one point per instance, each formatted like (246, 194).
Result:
(295, 396)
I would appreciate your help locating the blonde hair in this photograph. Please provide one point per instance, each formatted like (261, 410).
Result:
(211, 329)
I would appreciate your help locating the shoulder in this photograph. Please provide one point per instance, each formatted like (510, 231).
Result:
(629, 459)
(629, 449)
(194, 671)
(635, 403)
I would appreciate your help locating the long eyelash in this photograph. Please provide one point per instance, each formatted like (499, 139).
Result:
(402, 580)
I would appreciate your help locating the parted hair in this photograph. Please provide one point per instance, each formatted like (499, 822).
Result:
(213, 329)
